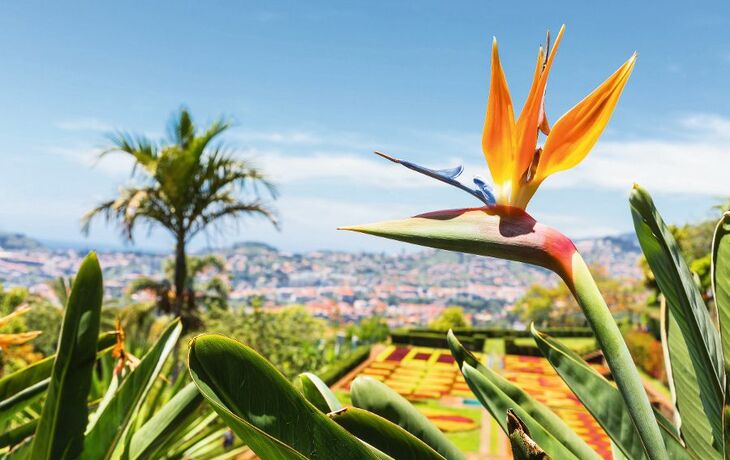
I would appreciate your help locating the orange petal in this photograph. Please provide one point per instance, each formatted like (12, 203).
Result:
(17, 339)
(21, 310)
(530, 117)
(575, 133)
(499, 124)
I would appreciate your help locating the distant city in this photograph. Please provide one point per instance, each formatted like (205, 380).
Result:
(408, 289)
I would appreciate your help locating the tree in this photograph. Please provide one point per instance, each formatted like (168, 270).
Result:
(452, 317)
(183, 186)
(289, 337)
(370, 330)
(213, 293)
(555, 306)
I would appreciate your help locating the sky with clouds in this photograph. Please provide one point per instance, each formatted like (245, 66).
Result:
(314, 87)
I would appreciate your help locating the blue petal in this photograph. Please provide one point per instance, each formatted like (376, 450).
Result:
(448, 176)
(452, 173)
(486, 190)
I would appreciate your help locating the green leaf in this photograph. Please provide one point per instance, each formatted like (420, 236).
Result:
(376, 397)
(694, 426)
(384, 435)
(687, 308)
(106, 434)
(199, 429)
(18, 434)
(18, 401)
(168, 422)
(29, 383)
(603, 400)
(318, 393)
(721, 282)
(262, 407)
(523, 447)
(25, 377)
(22, 451)
(537, 411)
(60, 432)
(483, 385)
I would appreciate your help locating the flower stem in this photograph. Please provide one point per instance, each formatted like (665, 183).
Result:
(583, 286)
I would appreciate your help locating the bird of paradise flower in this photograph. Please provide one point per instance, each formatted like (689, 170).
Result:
(501, 228)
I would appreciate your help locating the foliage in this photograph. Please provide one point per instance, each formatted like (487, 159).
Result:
(184, 186)
(694, 240)
(334, 371)
(370, 330)
(47, 318)
(290, 338)
(647, 353)
(451, 318)
(91, 400)
(694, 346)
(556, 306)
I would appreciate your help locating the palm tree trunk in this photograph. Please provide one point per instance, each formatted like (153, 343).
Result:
(181, 275)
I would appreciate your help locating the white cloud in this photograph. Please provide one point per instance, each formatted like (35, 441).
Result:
(360, 169)
(115, 165)
(85, 124)
(280, 137)
(697, 162)
(310, 223)
(704, 124)
(678, 167)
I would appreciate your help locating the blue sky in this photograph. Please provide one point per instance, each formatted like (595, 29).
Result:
(315, 87)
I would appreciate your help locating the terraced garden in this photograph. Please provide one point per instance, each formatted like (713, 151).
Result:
(430, 378)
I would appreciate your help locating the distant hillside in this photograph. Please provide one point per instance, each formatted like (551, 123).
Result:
(18, 241)
(619, 254)
(253, 247)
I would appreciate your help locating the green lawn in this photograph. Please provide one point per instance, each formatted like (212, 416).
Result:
(579, 345)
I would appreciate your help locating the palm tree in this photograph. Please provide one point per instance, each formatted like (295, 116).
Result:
(184, 185)
(213, 293)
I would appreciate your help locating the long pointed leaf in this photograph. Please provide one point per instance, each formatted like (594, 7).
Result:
(376, 397)
(603, 400)
(721, 282)
(262, 407)
(60, 432)
(318, 393)
(107, 434)
(694, 425)
(166, 423)
(498, 403)
(18, 401)
(18, 434)
(41, 370)
(689, 311)
(383, 434)
(537, 411)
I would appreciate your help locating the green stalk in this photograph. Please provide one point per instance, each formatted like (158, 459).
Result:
(584, 289)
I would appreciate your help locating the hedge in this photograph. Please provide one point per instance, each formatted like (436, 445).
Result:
(529, 348)
(498, 333)
(334, 372)
(435, 340)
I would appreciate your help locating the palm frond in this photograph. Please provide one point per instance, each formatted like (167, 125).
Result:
(233, 211)
(146, 284)
(132, 205)
(143, 150)
(199, 264)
